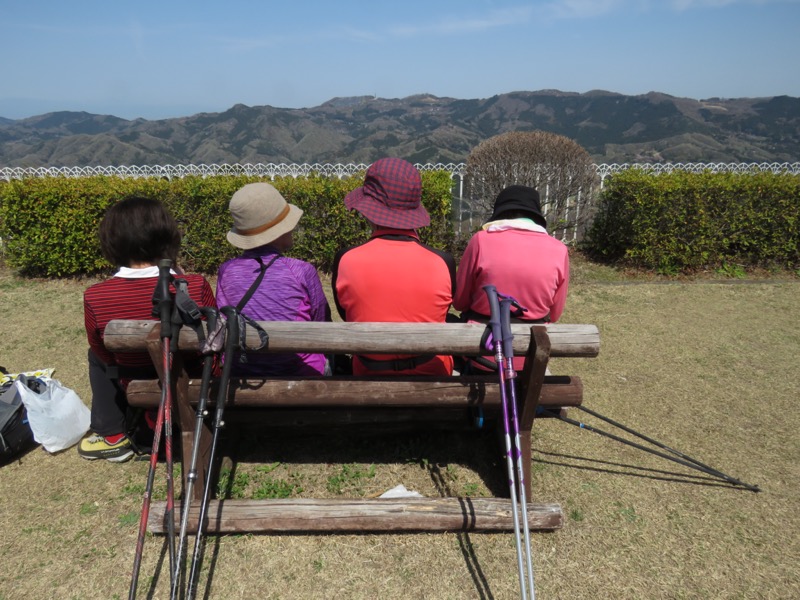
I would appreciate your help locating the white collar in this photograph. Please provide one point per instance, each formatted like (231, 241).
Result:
(506, 224)
(144, 272)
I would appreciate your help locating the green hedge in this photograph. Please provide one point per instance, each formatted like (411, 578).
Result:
(49, 226)
(683, 222)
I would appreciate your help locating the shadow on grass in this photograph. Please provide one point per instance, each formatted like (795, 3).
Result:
(162, 557)
(464, 542)
(430, 451)
(477, 450)
(590, 464)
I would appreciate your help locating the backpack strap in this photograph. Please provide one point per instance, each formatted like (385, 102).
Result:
(244, 321)
(252, 289)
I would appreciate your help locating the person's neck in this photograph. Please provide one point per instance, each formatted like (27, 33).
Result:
(377, 231)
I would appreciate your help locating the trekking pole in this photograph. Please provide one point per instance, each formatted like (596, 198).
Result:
(686, 462)
(231, 344)
(207, 347)
(165, 312)
(169, 510)
(497, 338)
(510, 376)
(698, 465)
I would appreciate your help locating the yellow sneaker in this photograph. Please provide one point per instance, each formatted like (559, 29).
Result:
(95, 446)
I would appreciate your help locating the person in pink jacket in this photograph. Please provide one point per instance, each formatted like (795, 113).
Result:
(514, 252)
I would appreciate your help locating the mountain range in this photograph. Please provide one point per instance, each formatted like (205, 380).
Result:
(613, 128)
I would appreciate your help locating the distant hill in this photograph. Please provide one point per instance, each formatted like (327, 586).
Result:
(613, 127)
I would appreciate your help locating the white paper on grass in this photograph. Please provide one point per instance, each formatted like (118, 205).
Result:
(400, 491)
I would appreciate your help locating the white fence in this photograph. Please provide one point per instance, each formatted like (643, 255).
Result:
(457, 170)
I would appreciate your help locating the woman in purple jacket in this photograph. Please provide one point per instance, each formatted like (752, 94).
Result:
(279, 288)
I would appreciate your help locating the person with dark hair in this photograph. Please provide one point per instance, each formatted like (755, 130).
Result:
(135, 234)
(514, 252)
(265, 284)
(394, 277)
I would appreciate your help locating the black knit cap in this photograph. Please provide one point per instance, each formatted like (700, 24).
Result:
(519, 197)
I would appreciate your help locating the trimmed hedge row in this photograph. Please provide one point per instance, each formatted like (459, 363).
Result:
(683, 222)
(49, 226)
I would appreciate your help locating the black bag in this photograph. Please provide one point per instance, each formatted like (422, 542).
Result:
(15, 431)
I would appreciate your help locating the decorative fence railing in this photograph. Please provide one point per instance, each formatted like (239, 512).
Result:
(573, 219)
(272, 170)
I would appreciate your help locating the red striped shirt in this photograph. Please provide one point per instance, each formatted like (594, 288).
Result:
(129, 298)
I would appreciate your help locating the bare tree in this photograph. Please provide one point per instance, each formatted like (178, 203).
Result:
(558, 167)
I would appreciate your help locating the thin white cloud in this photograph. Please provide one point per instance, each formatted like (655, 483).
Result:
(357, 35)
(134, 30)
(682, 5)
(446, 26)
(581, 9)
(244, 45)
(454, 25)
(586, 9)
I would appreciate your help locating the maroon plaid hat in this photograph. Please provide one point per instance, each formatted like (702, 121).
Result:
(391, 195)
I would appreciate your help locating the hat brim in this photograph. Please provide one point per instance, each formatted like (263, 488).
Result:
(246, 242)
(535, 215)
(380, 214)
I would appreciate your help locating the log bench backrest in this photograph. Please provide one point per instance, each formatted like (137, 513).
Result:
(462, 339)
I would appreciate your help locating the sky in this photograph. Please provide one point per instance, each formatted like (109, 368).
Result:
(173, 58)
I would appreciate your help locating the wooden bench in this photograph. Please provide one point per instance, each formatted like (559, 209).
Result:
(316, 404)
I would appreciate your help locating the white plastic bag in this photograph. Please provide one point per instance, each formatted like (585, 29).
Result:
(58, 417)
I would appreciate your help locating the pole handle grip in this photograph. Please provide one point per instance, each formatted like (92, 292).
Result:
(494, 313)
(505, 327)
(164, 299)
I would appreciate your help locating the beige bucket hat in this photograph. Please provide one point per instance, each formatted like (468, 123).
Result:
(260, 216)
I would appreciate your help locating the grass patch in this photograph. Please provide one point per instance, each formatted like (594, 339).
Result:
(129, 519)
(577, 515)
(232, 484)
(87, 509)
(708, 366)
(276, 488)
(350, 479)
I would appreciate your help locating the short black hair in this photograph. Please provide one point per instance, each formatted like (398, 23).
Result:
(518, 213)
(138, 230)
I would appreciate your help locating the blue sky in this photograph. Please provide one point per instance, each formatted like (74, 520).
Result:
(177, 58)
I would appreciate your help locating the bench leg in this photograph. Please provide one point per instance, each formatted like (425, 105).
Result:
(529, 390)
(186, 415)
(525, 449)
(187, 419)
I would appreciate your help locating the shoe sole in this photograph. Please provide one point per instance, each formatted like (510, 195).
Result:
(122, 458)
(115, 459)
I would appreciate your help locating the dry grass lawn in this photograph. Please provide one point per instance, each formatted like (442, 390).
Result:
(710, 369)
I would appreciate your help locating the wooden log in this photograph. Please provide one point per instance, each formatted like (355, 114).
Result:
(322, 392)
(463, 339)
(379, 515)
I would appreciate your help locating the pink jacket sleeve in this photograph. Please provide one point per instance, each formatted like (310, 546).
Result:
(560, 298)
(465, 276)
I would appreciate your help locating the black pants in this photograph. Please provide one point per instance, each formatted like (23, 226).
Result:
(110, 411)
